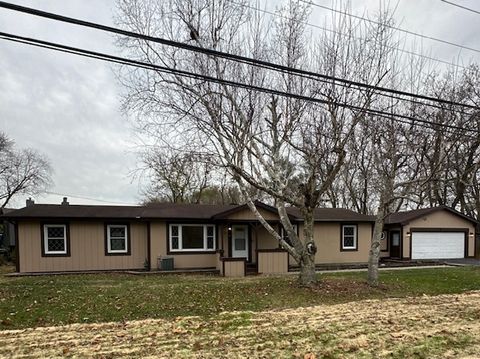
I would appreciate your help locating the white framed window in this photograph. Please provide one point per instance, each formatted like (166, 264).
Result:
(349, 237)
(55, 239)
(191, 237)
(117, 239)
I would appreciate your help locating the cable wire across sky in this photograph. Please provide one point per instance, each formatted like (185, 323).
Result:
(214, 53)
(446, 42)
(461, 6)
(277, 15)
(124, 61)
(221, 54)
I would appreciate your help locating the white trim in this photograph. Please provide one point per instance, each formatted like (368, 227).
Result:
(354, 236)
(109, 245)
(247, 247)
(46, 238)
(180, 237)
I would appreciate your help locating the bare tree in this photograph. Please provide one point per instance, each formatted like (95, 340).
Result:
(21, 171)
(289, 149)
(455, 152)
(175, 177)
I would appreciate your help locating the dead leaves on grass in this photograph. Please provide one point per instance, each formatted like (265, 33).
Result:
(441, 326)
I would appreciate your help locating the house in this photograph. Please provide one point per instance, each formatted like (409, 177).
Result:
(228, 238)
(430, 233)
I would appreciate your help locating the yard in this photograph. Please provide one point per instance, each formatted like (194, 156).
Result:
(414, 313)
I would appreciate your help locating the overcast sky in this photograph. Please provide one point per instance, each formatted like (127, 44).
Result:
(68, 107)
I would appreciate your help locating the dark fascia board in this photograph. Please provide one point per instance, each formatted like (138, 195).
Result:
(435, 209)
(349, 220)
(241, 207)
(52, 218)
(175, 219)
(116, 219)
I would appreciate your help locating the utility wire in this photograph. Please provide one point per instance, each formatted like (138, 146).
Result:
(413, 53)
(221, 54)
(121, 60)
(461, 6)
(391, 27)
(89, 198)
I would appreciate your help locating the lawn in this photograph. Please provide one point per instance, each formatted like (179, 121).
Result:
(445, 326)
(95, 298)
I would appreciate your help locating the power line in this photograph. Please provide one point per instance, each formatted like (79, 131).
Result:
(461, 6)
(88, 198)
(391, 27)
(221, 54)
(121, 60)
(339, 33)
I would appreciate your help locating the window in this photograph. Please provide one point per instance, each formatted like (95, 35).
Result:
(117, 239)
(349, 237)
(55, 239)
(192, 237)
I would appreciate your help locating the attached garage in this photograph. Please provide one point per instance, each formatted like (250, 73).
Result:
(438, 245)
(430, 233)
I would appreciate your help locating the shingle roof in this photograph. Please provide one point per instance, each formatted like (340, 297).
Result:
(168, 211)
(164, 210)
(407, 216)
(334, 214)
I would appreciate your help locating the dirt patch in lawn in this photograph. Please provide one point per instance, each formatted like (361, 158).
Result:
(445, 326)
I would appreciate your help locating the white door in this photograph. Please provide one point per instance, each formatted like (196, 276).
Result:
(438, 245)
(240, 241)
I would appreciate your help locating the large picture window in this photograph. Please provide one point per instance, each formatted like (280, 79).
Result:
(117, 239)
(349, 237)
(191, 237)
(55, 239)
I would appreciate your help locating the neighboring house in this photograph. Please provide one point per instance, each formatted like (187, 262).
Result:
(430, 233)
(65, 237)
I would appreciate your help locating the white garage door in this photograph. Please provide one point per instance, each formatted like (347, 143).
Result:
(438, 245)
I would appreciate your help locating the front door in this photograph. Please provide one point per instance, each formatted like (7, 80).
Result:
(395, 244)
(240, 241)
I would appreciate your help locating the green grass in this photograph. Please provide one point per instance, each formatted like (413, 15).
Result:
(434, 346)
(54, 300)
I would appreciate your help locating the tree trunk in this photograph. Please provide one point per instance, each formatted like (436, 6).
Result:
(374, 253)
(308, 276)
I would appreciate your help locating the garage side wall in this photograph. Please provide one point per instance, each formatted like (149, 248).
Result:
(437, 220)
(87, 249)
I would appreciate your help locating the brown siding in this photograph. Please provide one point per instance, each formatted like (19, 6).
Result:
(272, 262)
(234, 268)
(247, 215)
(158, 238)
(219, 265)
(327, 239)
(440, 219)
(87, 249)
(225, 244)
(265, 239)
(384, 245)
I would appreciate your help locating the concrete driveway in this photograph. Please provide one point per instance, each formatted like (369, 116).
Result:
(463, 262)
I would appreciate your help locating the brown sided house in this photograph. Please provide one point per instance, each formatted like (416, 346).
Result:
(53, 238)
(228, 238)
